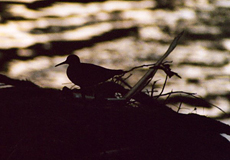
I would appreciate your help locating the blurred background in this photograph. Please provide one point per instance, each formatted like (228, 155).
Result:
(37, 35)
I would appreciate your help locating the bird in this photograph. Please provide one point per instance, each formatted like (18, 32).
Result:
(87, 74)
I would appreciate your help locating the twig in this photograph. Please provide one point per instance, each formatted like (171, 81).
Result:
(192, 95)
(209, 103)
(175, 92)
(168, 97)
(127, 77)
(166, 78)
(153, 87)
(179, 106)
(124, 82)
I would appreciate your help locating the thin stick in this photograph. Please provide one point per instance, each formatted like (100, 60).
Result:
(179, 106)
(153, 87)
(193, 95)
(166, 78)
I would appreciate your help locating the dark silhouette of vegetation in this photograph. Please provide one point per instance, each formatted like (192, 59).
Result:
(39, 123)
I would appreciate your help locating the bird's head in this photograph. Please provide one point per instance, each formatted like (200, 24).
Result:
(71, 59)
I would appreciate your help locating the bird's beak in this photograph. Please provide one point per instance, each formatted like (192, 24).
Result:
(61, 63)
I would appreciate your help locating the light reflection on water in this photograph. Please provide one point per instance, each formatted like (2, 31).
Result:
(202, 55)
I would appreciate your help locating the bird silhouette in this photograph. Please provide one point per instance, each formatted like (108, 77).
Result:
(86, 74)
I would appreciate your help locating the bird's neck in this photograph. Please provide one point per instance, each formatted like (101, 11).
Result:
(74, 65)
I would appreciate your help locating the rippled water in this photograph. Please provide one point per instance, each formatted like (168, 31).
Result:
(36, 36)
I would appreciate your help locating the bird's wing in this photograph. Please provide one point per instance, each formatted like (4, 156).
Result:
(92, 71)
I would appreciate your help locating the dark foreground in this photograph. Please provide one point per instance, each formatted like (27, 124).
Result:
(38, 123)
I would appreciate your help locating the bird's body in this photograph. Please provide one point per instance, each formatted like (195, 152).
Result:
(85, 74)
